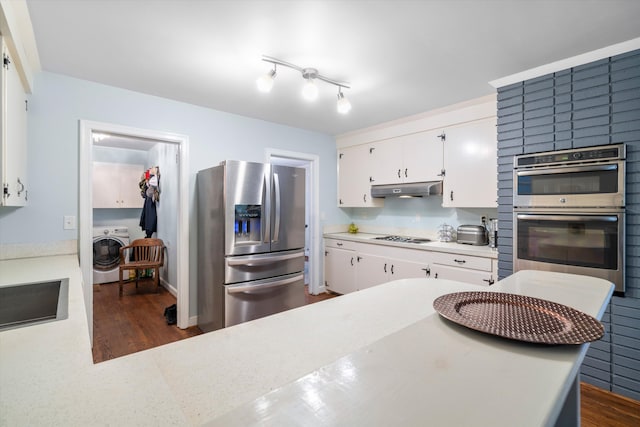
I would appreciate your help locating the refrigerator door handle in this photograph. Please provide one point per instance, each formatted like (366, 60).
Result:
(265, 211)
(249, 288)
(276, 189)
(251, 261)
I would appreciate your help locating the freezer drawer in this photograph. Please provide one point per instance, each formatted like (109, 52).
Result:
(253, 300)
(244, 268)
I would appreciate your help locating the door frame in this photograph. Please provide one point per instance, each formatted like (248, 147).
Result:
(85, 215)
(315, 241)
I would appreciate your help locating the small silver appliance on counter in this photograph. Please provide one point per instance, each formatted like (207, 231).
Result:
(251, 236)
(472, 235)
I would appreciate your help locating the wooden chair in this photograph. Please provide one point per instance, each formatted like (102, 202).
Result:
(142, 254)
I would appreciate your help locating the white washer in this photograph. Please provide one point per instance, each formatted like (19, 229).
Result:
(107, 241)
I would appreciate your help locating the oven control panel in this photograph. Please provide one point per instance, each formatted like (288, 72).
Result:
(591, 154)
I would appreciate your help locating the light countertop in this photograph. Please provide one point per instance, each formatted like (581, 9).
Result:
(47, 376)
(434, 245)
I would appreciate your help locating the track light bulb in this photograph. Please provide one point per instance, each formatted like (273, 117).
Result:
(343, 105)
(310, 90)
(265, 82)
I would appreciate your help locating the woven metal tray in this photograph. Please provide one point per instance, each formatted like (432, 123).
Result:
(519, 317)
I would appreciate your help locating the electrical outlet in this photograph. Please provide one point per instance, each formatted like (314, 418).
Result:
(69, 222)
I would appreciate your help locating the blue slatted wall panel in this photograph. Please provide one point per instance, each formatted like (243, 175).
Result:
(593, 104)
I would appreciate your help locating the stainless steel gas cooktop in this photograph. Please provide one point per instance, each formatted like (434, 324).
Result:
(403, 239)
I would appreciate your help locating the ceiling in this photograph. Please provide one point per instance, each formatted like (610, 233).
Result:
(400, 57)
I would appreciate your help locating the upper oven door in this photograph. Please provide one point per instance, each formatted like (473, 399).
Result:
(589, 185)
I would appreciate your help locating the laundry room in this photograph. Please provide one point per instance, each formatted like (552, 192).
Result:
(134, 195)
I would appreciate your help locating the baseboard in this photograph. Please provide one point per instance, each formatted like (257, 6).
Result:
(193, 321)
(172, 290)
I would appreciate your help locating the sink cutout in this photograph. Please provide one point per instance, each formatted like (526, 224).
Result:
(27, 304)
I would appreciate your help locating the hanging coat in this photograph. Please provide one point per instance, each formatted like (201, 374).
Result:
(149, 217)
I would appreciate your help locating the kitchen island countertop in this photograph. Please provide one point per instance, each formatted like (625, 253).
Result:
(243, 374)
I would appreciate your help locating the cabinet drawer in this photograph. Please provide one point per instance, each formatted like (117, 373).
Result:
(464, 261)
(340, 244)
(465, 275)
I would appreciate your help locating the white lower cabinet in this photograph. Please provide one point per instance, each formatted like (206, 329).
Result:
(463, 268)
(339, 269)
(374, 270)
(352, 266)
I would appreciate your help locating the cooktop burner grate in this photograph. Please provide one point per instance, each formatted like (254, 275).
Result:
(403, 239)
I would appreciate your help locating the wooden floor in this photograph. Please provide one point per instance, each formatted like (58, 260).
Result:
(601, 408)
(136, 322)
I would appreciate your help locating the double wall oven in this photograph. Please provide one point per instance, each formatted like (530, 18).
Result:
(569, 212)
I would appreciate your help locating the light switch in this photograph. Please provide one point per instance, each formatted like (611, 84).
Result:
(69, 222)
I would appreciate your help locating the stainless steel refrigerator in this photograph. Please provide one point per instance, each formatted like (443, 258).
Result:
(251, 232)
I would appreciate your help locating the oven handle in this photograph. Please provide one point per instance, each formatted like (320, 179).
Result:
(570, 169)
(584, 218)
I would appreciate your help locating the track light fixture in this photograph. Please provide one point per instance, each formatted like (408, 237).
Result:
(344, 106)
(310, 89)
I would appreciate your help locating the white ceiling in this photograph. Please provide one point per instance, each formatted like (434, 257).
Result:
(400, 57)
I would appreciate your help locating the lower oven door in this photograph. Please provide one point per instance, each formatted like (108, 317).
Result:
(588, 242)
(259, 298)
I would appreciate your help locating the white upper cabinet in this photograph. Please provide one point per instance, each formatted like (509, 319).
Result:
(13, 160)
(355, 170)
(115, 185)
(408, 158)
(456, 145)
(470, 163)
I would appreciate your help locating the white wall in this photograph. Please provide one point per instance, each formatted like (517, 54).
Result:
(164, 156)
(58, 102)
(415, 217)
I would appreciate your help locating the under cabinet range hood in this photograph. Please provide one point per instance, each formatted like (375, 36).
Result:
(413, 189)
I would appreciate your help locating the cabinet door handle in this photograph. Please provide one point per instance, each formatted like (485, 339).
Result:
(371, 179)
(21, 189)
(340, 201)
(371, 150)
(358, 258)
(460, 261)
(442, 172)
(326, 253)
(451, 195)
(427, 271)
(489, 281)
(364, 197)
(436, 276)
(391, 268)
(405, 173)
(385, 267)
(338, 244)
(352, 261)
(399, 170)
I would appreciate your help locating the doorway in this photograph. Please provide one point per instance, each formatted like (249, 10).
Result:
(129, 137)
(310, 163)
